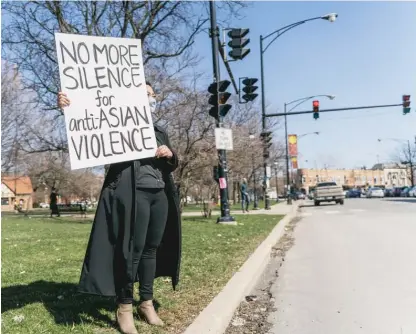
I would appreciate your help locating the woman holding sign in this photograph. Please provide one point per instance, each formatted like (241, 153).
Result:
(136, 234)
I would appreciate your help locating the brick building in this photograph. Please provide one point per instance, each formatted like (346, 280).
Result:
(381, 175)
(16, 189)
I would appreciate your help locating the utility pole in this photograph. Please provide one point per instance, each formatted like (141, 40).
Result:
(263, 124)
(225, 218)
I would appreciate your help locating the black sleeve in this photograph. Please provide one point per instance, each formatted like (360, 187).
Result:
(172, 163)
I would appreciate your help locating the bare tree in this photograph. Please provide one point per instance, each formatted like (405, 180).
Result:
(15, 113)
(407, 156)
(167, 30)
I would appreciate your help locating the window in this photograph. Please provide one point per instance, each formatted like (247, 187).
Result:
(327, 184)
(5, 201)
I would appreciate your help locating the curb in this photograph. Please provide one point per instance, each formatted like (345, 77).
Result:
(216, 317)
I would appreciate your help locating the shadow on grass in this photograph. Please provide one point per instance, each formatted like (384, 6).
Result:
(63, 302)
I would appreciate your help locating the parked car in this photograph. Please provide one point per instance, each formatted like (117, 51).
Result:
(388, 192)
(375, 192)
(353, 193)
(412, 192)
(405, 192)
(44, 205)
(397, 191)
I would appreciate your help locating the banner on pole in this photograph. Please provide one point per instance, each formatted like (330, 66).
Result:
(294, 162)
(293, 145)
(109, 118)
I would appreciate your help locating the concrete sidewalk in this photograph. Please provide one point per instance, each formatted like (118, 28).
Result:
(215, 318)
(277, 209)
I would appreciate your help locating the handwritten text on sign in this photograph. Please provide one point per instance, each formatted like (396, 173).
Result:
(109, 118)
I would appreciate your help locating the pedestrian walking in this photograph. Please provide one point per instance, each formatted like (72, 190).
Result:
(136, 234)
(245, 199)
(54, 203)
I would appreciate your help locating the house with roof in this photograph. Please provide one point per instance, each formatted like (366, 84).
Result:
(16, 190)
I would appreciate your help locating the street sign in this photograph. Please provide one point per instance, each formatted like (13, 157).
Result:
(268, 172)
(224, 139)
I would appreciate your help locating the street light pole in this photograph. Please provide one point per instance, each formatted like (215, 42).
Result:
(255, 202)
(263, 123)
(276, 181)
(288, 198)
(277, 33)
(299, 102)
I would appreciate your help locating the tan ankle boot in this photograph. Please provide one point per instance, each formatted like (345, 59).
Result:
(125, 319)
(147, 311)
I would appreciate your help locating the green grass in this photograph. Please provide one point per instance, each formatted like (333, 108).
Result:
(41, 262)
(233, 207)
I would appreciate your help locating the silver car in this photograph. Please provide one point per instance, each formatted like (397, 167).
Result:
(375, 192)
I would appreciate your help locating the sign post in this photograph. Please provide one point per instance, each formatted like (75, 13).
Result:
(224, 139)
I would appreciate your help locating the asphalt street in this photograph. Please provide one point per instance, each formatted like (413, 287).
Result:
(351, 270)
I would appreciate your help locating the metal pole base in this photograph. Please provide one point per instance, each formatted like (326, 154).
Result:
(289, 201)
(227, 220)
(267, 202)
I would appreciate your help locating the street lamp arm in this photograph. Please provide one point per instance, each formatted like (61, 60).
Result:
(304, 99)
(290, 26)
(280, 32)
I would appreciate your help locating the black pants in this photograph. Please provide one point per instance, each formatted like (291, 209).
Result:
(151, 216)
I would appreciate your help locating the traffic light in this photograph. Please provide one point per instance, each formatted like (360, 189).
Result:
(249, 89)
(315, 105)
(238, 43)
(406, 104)
(219, 98)
(266, 138)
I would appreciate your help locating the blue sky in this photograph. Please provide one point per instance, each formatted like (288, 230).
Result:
(366, 57)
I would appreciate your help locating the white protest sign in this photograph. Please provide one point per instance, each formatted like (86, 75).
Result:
(223, 139)
(109, 119)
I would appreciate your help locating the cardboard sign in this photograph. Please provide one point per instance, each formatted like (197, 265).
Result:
(109, 119)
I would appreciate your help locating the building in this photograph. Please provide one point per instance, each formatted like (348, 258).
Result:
(381, 175)
(16, 189)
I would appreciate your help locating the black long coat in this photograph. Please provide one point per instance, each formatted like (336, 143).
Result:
(109, 252)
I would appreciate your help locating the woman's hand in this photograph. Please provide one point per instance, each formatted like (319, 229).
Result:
(63, 100)
(164, 152)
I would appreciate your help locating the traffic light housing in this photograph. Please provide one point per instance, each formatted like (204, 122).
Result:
(218, 99)
(266, 138)
(249, 89)
(238, 43)
(315, 106)
(406, 104)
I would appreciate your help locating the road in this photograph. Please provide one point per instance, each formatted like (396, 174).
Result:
(352, 270)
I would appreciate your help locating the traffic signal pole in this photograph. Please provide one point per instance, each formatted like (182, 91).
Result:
(263, 124)
(222, 156)
(330, 110)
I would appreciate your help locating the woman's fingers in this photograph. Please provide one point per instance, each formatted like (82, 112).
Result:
(63, 100)
(163, 151)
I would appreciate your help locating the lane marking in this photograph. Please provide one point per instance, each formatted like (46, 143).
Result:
(331, 212)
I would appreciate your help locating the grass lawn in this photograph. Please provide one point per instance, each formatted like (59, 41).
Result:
(41, 262)
(233, 207)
